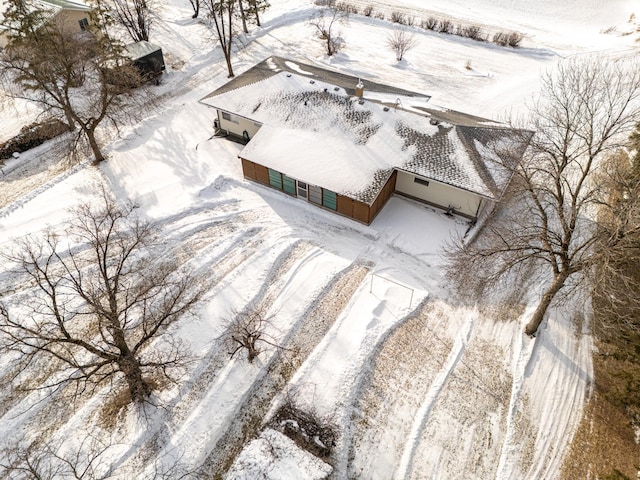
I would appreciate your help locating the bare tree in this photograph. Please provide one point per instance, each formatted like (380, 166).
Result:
(246, 331)
(135, 16)
(326, 21)
(86, 459)
(48, 461)
(256, 7)
(586, 111)
(99, 304)
(222, 13)
(195, 5)
(81, 79)
(243, 16)
(400, 42)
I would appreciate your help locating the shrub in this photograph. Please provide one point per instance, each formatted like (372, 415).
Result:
(311, 433)
(398, 17)
(615, 475)
(472, 31)
(380, 16)
(445, 26)
(411, 21)
(368, 11)
(514, 39)
(500, 38)
(347, 7)
(430, 23)
(31, 136)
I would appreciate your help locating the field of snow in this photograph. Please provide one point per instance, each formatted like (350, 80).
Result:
(416, 385)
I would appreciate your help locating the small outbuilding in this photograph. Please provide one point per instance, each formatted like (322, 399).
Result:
(147, 58)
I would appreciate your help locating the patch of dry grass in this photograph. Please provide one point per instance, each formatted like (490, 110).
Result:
(113, 409)
(603, 444)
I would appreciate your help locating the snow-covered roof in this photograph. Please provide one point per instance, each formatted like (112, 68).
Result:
(321, 163)
(50, 8)
(140, 49)
(54, 6)
(319, 132)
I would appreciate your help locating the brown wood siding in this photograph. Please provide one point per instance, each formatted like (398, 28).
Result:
(262, 174)
(384, 195)
(390, 187)
(249, 169)
(345, 206)
(361, 212)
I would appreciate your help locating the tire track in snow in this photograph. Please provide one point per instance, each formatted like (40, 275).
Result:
(404, 367)
(355, 340)
(209, 370)
(317, 319)
(52, 179)
(509, 453)
(420, 421)
(236, 250)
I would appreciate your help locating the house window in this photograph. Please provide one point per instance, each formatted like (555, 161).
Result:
(275, 179)
(315, 194)
(229, 118)
(329, 199)
(302, 189)
(84, 24)
(421, 181)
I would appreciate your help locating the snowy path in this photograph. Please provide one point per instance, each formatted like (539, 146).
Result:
(298, 344)
(328, 382)
(419, 422)
(234, 382)
(510, 448)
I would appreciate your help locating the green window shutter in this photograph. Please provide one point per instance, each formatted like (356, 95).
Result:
(289, 185)
(275, 179)
(330, 199)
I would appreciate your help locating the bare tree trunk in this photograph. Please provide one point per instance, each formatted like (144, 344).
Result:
(545, 301)
(196, 8)
(257, 14)
(139, 390)
(229, 66)
(252, 353)
(222, 14)
(109, 283)
(243, 17)
(70, 120)
(93, 143)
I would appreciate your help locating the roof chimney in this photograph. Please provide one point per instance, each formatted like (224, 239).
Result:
(359, 89)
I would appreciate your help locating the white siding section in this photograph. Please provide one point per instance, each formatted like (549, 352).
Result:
(238, 125)
(439, 194)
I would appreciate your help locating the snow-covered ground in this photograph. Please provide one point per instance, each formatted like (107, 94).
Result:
(416, 385)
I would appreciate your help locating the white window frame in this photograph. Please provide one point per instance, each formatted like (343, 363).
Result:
(230, 117)
(304, 189)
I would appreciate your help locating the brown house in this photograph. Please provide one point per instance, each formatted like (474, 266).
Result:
(334, 141)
